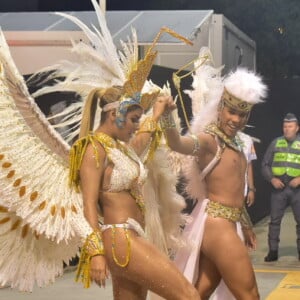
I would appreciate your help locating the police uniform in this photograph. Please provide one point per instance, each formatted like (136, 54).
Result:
(282, 160)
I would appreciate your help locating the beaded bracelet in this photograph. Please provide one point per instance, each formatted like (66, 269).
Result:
(252, 189)
(196, 144)
(167, 121)
(93, 246)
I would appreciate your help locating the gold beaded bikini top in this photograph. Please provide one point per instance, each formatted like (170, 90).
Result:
(128, 170)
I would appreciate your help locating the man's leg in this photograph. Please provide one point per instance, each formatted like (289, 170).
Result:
(209, 277)
(279, 202)
(228, 257)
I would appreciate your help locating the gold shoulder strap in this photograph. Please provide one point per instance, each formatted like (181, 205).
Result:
(78, 150)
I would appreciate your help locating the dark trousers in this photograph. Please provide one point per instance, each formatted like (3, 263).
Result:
(280, 200)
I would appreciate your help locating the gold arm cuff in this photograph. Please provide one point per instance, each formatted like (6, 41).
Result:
(196, 144)
(148, 125)
(93, 246)
(167, 121)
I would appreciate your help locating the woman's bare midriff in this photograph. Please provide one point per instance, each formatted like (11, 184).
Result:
(118, 207)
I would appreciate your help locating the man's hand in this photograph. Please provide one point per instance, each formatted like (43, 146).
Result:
(250, 198)
(99, 270)
(295, 182)
(160, 106)
(277, 183)
(250, 238)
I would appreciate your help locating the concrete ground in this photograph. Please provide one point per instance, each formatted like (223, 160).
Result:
(277, 280)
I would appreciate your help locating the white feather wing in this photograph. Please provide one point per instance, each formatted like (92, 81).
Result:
(34, 169)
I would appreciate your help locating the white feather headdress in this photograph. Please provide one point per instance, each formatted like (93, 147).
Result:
(209, 87)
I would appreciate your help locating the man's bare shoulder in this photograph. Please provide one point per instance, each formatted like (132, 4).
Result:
(207, 138)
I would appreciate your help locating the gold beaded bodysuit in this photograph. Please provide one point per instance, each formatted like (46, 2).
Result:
(128, 174)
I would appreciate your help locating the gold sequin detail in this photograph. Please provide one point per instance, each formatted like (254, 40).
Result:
(233, 142)
(53, 210)
(15, 225)
(11, 174)
(24, 231)
(63, 212)
(4, 220)
(22, 191)
(73, 208)
(17, 182)
(1, 156)
(33, 196)
(42, 205)
(215, 209)
(6, 165)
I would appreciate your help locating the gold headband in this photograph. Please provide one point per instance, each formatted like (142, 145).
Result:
(236, 103)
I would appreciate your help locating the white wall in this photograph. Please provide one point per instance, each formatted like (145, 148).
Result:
(34, 50)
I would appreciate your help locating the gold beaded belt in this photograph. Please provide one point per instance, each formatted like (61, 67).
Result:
(215, 209)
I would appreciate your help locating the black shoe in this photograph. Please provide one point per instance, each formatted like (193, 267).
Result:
(272, 256)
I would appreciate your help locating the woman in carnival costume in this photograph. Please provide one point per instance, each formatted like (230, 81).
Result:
(215, 171)
(43, 221)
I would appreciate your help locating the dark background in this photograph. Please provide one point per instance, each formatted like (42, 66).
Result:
(273, 24)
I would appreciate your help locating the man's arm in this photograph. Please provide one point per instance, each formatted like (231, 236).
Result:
(187, 145)
(267, 168)
(266, 165)
(251, 188)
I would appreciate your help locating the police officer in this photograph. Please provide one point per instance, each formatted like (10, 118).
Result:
(281, 167)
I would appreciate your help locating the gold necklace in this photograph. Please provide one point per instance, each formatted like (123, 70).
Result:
(235, 142)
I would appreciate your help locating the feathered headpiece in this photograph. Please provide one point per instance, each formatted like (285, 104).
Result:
(98, 64)
(240, 89)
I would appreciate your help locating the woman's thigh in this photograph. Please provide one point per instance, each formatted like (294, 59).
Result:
(124, 289)
(147, 266)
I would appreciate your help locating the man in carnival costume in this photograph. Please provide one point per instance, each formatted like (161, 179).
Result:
(216, 179)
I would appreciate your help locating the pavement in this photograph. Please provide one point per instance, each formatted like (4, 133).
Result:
(278, 280)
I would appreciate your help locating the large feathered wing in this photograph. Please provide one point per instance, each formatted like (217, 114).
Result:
(39, 214)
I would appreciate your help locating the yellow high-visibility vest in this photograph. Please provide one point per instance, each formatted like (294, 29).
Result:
(286, 159)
